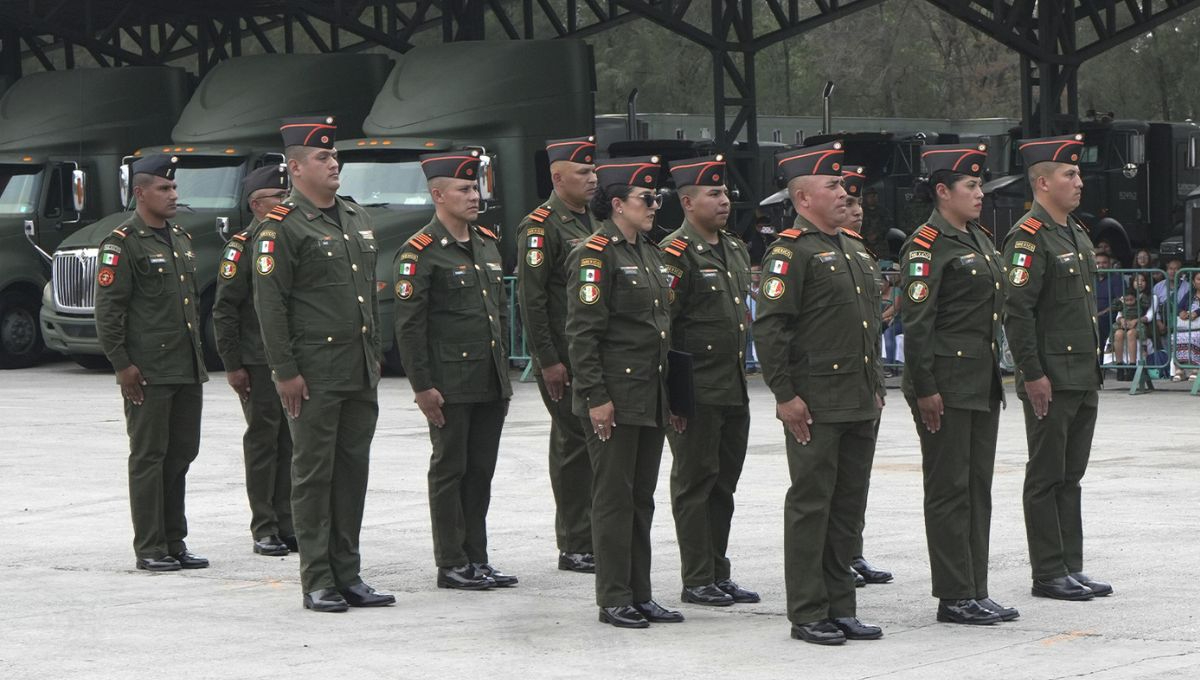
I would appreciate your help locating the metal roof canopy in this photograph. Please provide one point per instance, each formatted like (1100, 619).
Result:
(1046, 34)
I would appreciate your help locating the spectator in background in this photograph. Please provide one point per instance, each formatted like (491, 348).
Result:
(1169, 295)
(892, 327)
(1187, 340)
(1108, 289)
(1129, 327)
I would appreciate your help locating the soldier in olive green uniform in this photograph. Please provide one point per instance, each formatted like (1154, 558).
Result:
(147, 324)
(817, 336)
(545, 238)
(314, 289)
(1050, 321)
(618, 322)
(708, 272)
(953, 294)
(267, 443)
(452, 327)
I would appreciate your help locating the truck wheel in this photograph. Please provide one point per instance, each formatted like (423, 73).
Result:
(20, 335)
(92, 362)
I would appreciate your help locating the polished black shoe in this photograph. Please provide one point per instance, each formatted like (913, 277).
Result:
(859, 581)
(500, 580)
(271, 546)
(1061, 588)
(363, 595)
(167, 563)
(625, 616)
(709, 595)
(325, 600)
(291, 543)
(738, 593)
(189, 560)
(656, 613)
(968, 612)
(870, 574)
(823, 632)
(583, 563)
(1006, 613)
(1098, 588)
(463, 577)
(854, 629)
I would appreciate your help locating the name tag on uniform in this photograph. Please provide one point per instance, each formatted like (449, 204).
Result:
(710, 273)
(968, 259)
(827, 256)
(629, 271)
(865, 256)
(1066, 257)
(368, 235)
(158, 259)
(493, 266)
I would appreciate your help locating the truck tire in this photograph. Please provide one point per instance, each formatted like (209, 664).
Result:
(20, 334)
(92, 362)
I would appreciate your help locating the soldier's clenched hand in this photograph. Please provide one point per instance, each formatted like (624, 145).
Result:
(557, 380)
(239, 380)
(430, 402)
(130, 379)
(293, 393)
(796, 418)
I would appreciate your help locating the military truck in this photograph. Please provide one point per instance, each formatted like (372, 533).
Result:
(503, 98)
(229, 127)
(62, 136)
(1137, 176)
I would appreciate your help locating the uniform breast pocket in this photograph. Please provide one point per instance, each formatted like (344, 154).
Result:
(632, 291)
(462, 289)
(154, 277)
(1068, 278)
(324, 261)
(370, 254)
(831, 284)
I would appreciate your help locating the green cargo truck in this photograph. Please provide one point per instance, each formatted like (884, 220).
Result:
(229, 127)
(62, 136)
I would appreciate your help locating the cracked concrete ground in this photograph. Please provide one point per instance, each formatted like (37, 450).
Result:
(75, 607)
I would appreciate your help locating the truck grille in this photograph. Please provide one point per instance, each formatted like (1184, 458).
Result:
(74, 280)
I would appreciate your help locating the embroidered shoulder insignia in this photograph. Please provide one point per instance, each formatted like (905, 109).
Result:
(1031, 225)
(984, 230)
(278, 212)
(925, 236)
(540, 214)
(488, 233)
(791, 233)
(676, 247)
(420, 241)
(597, 242)
(241, 236)
(122, 231)
(851, 233)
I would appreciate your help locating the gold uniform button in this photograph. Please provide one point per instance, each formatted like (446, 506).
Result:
(176, 253)
(988, 258)
(629, 370)
(1087, 287)
(737, 300)
(360, 298)
(185, 301)
(846, 255)
(485, 293)
(464, 355)
(491, 318)
(493, 343)
(866, 359)
(740, 354)
(835, 367)
(364, 330)
(656, 303)
(995, 317)
(189, 325)
(477, 268)
(354, 267)
(160, 270)
(713, 287)
(858, 289)
(832, 268)
(741, 326)
(330, 339)
(1071, 270)
(329, 254)
(180, 276)
(958, 353)
(346, 236)
(1068, 348)
(660, 368)
(972, 272)
(710, 348)
(864, 324)
(997, 285)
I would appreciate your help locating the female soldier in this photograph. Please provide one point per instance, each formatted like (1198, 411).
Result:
(618, 318)
(952, 282)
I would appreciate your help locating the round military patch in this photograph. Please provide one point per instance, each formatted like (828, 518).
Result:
(265, 264)
(589, 293)
(918, 291)
(1019, 276)
(773, 288)
(228, 270)
(535, 258)
(404, 289)
(106, 277)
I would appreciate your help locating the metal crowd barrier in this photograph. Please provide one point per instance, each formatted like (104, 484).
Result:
(1185, 333)
(1152, 351)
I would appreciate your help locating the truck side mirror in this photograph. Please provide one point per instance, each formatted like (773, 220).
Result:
(223, 228)
(79, 189)
(31, 236)
(125, 188)
(486, 182)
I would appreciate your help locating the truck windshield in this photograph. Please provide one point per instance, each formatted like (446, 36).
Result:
(210, 187)
(378, 183)
(19, 190)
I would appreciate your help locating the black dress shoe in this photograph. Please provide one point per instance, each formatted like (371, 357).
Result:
(709, 595)
(1098, 588)
(967, 612)
(859, 581)
(854, 629)
(271, 546)
(500, 580)
(325, 600)
(167, 563)
(291, 543)
(738, 593)
(1006, 613)
(822, 632)
(625, 616)
(463, 577)
(583, 563)
(1062, 588)
(656, 613)
(189, 560)
(870, 574)
(363, 595)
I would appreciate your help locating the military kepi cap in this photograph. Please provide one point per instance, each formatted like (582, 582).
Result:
(636, 171)
(708, 171)
(459, 164)
(964, 159)
(1062, 149)
(853, 180)
(266, 177)
(576, 150)
(159, 165)
(825, 159)
(318, 131)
